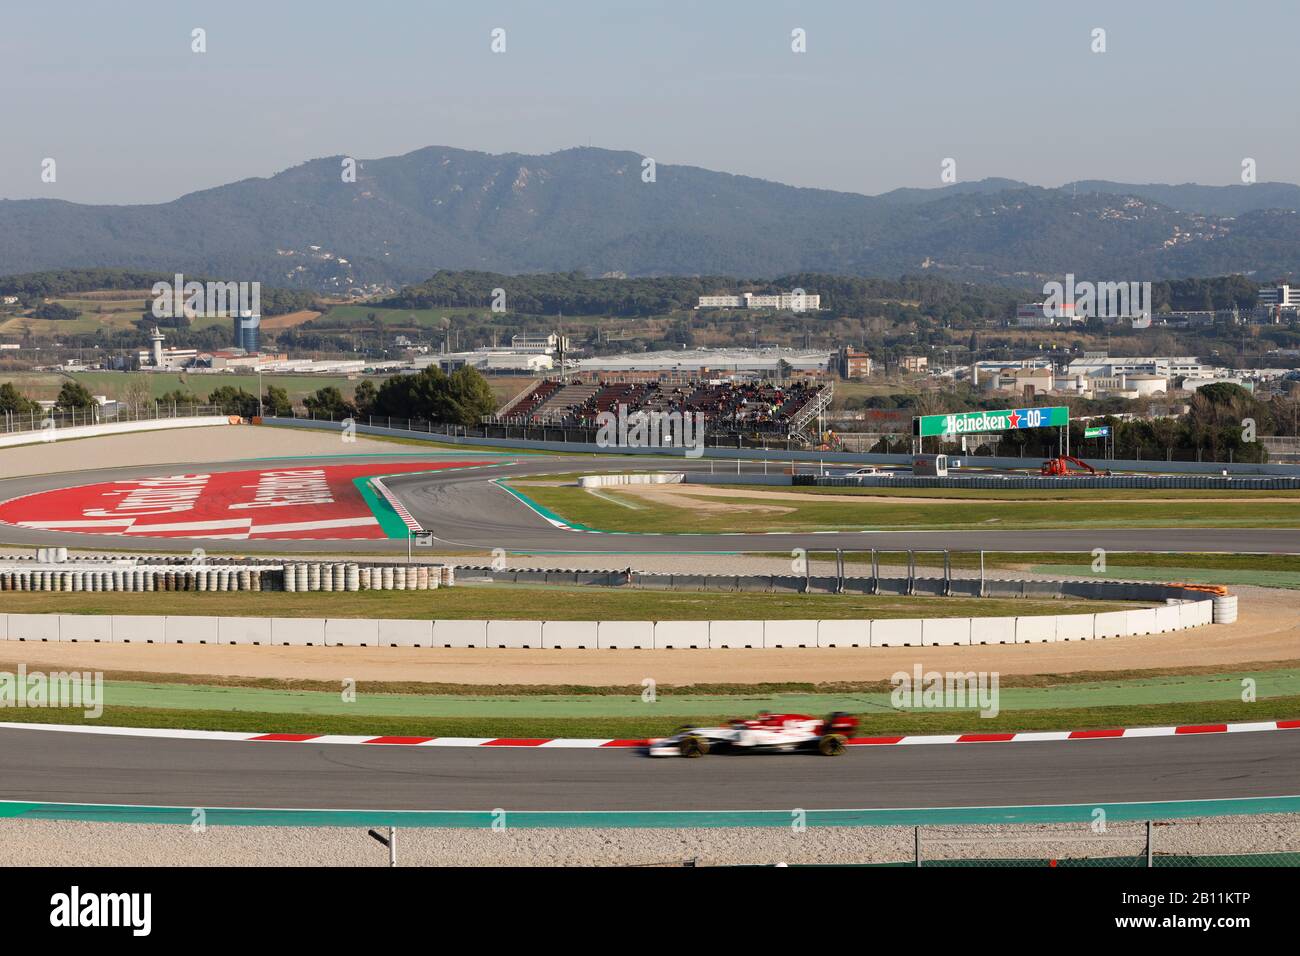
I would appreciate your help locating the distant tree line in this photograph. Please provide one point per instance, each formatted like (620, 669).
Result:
(33, 287)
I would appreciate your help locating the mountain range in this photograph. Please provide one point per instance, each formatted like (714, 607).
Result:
(591, 210)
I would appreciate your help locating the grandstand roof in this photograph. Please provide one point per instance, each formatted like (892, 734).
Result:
(731, 360)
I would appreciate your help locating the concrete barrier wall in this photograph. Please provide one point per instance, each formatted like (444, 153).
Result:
(85, 628)
(1076, 627)
(843, 633)
(621, 635)
(1195, 613)
(1166, 618)
(109, 428)
(1114, 623)
(602, 481)
(789, 633)
(570, 634)
(190, 630)
(896, 633)
(351, 632)
(681, 634)
(244, 630)
(460, 633)
(139, 629)
(945, 631)
(625, 634)
(993, 630)
(406, 633)
(1035, 630)
(1140, 622)
(298, 631)
(735, 634)
(514, 633)
(34, 627)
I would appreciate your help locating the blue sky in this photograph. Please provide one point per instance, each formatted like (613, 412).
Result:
(885, 91)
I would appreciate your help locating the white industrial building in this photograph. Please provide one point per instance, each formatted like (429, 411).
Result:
(1283, 295)
(1098, 363)
(488, 360)
(790, 301)
(1037, 315)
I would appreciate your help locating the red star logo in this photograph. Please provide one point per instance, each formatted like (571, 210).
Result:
(1014, 418)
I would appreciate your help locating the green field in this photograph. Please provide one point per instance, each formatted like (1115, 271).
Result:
(493, 602)
(615, 510)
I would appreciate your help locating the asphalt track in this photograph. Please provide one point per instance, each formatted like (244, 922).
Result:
(466, 511)
(178, 772)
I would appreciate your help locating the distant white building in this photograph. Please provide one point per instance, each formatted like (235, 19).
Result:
(796, 301)
(1037, 315)
(538, 344)
(1094, 363)
(487, 360)
(1284, 295)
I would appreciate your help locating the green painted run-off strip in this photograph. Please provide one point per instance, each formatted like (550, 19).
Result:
(646, 819)
(389, 520)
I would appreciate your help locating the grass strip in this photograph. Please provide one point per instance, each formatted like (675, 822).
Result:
(174, 696)
(888, 724)
(1258, 669)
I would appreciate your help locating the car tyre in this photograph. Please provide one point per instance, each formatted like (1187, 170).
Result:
(693, 745)
(831, 745)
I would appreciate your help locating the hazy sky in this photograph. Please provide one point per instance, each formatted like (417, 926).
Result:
(885, 91)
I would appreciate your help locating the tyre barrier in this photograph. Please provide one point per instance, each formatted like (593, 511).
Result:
(1225, 608)
(331, 576)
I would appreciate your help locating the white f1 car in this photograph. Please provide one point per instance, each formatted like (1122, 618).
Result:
(778, 732)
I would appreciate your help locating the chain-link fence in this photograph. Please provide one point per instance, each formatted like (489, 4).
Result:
(1256, 842)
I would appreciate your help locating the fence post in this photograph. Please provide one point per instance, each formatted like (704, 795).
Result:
(1148, 843)
(916, 844)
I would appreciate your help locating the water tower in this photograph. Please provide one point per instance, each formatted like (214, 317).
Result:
(157, 339)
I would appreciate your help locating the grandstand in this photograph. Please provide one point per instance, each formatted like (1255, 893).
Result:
(729, 408)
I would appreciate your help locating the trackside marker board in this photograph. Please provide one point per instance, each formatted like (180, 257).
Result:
(318, 502)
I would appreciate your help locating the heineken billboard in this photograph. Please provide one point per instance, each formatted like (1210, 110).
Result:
(972, 423)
